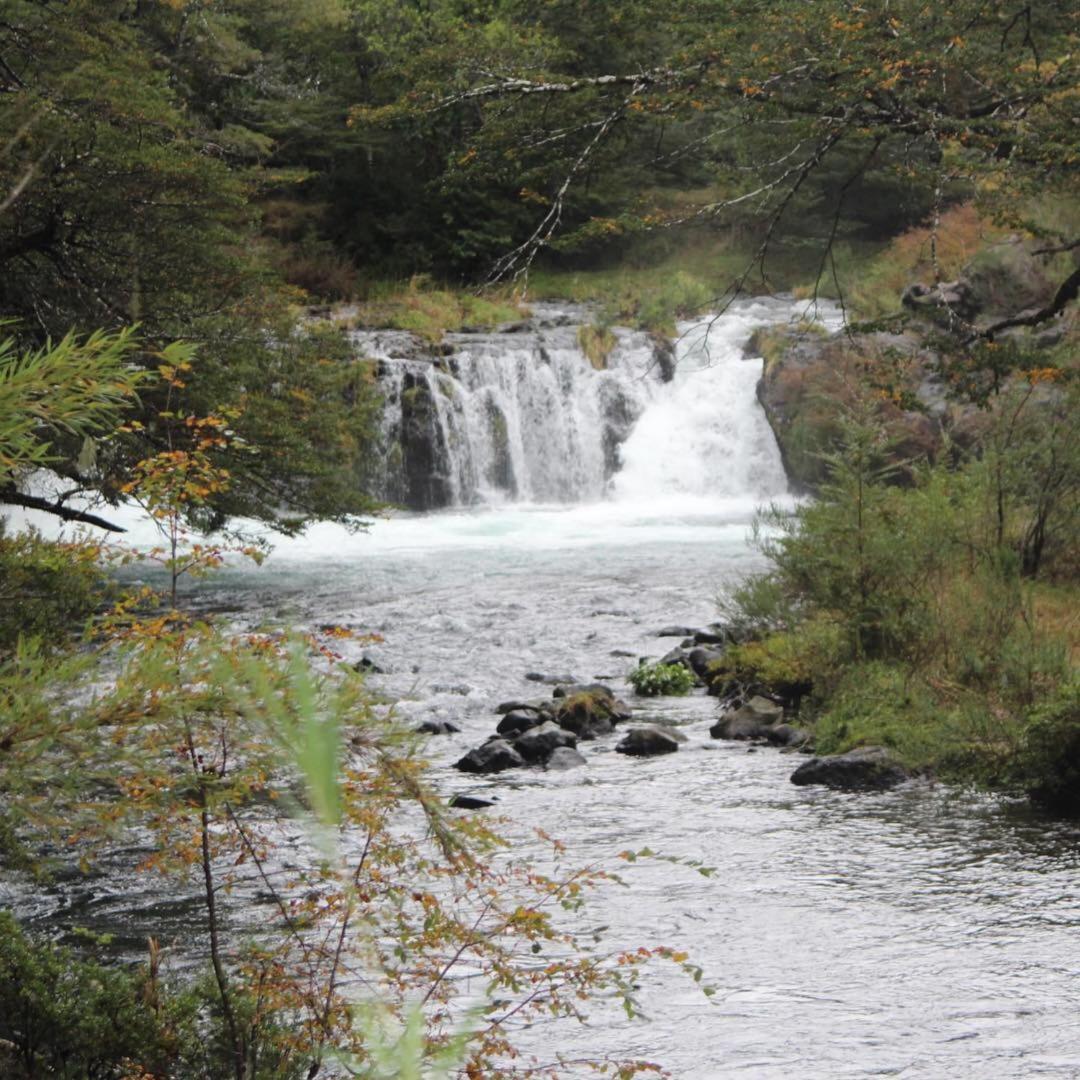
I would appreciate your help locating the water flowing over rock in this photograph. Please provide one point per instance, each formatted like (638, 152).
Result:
(522, 415)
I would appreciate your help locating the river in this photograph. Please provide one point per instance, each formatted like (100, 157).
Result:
(924, 932)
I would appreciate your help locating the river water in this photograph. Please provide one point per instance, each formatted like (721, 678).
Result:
(920, 933)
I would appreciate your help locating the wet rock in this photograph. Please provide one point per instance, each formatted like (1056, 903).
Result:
(676, 631)
(700, 658)
(740, 726)
(515, 723)
(565, 690)
(536, 744)
(713, 635)
(677, 655)
(438, 727)
(550, 680)
(764, 709)
(536, 705)
(787, 735)
(564, 757)
(648, 742)
(621, 652)
(586, 715)
(869, 768)
(496, 755)
(366, 666)
(753, 721)
(469, 802)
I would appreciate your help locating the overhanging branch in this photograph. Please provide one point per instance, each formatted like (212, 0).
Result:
(12, 497)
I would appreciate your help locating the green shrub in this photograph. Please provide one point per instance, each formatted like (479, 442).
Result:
(47, 589)
(656, 680)
(65, 1017)
(1050, 759)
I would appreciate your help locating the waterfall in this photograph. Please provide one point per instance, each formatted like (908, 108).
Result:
(523, 415)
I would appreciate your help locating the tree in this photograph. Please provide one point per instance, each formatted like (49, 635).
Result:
(789, 106)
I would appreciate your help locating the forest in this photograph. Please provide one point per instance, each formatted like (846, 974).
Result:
(215, 213)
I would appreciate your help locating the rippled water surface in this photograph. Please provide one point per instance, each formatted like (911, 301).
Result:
(919, 933)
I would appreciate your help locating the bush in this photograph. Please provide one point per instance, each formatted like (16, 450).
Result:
(47, 589)
(1050, 759)
(661, 680)
(68, 1018)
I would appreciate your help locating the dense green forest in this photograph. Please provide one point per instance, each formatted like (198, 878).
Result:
(188, 187)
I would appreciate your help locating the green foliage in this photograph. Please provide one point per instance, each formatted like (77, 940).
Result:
(661, 680)
(73, 1019)
(432, 312)
(1049, 763)
(48, 590)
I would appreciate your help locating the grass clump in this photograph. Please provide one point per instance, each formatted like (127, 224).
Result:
(597, 340)
(661, 680)
(431, 312)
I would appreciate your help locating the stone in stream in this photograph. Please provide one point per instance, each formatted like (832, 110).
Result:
(438, 727)
(699, 659)
(753, 721)
(536, 705)
(712, 635)
(787, 735)
(469, 802)
(562, 758)
(569, 689)
(550, 680)
(514, 723)
(496, 755)
(676, 631)
(366, 666)
(869, 768)
(648, 742)
(589, 713)
(537, 744)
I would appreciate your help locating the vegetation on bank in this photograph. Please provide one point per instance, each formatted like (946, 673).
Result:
(916, 616)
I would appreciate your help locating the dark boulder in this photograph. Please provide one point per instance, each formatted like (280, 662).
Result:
(469, 802)
(366, 666)
(536, 745)
(787, 735)
(712, 635)
(538, 705)
(700, 658)
(676, 631)
(565, 690)
(589, 713)
(562, 758)
(648, 742)
(438, 727)
(753, 721)
(740, 726)
(869, 768)
(550, 680)
(515, 723)
(494, 756)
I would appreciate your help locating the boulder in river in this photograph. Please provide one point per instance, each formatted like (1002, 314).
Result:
(537, 744)
(868, 768)
(589, 713)
(563, 758)
(753, 721)
(550, 680)
(514, 723)
(564, 690)
(438, 727)
(787, 735)
(676, 631)
(496, 755)
(469, 802)
(648, 742)
(699, 659)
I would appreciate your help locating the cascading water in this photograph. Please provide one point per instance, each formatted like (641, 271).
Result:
(516, 415)
(525, 416)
